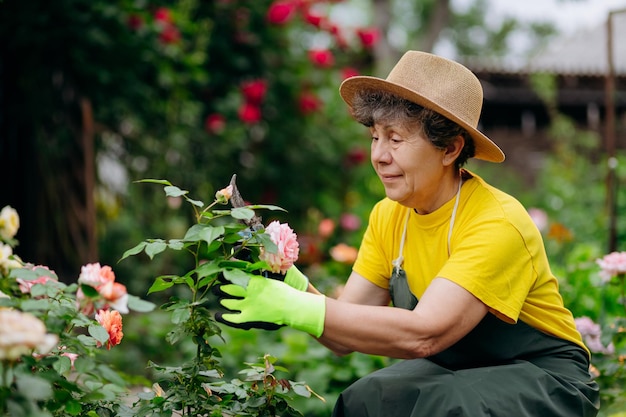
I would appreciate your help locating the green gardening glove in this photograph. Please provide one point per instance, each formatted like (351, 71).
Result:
(293, 277)
(268, 302)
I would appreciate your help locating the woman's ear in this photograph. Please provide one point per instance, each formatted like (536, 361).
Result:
(453, 150)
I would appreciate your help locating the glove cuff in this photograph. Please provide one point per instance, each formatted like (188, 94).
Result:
(296, 279)
(308, 313)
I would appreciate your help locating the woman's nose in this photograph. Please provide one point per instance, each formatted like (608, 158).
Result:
(380, 152)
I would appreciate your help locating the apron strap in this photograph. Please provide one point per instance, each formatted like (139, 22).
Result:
(397, 263)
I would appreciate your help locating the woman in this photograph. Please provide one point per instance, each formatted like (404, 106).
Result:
(475, 309)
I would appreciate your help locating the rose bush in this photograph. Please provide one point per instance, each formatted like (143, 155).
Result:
(224, 244)
(51, 333)
(50, 336)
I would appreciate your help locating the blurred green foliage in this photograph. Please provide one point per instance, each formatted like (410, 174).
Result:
(154, 71)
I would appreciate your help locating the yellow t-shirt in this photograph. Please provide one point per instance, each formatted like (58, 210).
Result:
(496, 253)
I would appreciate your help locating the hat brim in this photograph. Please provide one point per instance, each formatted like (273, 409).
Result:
(485, 148)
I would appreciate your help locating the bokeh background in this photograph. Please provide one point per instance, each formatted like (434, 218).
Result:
(95, 95)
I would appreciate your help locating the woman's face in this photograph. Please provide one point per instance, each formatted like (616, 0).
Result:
(409, 166)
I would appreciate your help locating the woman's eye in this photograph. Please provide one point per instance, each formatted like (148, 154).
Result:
(374, 138)
(395, 140)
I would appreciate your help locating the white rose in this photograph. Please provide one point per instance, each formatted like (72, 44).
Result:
(21, 333)
(6, 264)
(9, 222)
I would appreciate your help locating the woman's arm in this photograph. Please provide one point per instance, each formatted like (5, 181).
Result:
(357, 290)
(360, 320)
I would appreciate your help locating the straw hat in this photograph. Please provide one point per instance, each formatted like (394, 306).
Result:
(439, 84)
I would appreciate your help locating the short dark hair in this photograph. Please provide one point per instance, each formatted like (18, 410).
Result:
(372, 106)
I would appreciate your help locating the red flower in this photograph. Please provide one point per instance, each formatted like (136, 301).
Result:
(254, 91)
(356, 156)
(249, 113)
(169, 35)
(163, 15)
(313, 18)
(309, 103)
(338, 36)
(368, 36)
(281, 11)
(135, 22)
(215, 123)
(348, 72)
(322, 58)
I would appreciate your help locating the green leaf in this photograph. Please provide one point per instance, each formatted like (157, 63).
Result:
(180, 315)
(23, 273)
(73, 407)
(266, 207)
(174, 191)
(34, 305)
(38, 290)
(156, 247)
(207, 269)
(134, 251)
(242, 213)
(210, 233)
(266, 241)
(154, 181)
(237, 276)
(99, 333)
(89, 291)
(192, 234)
(301, 389)
(160, 284)
(86, 340)
(62, 365)
(84, 364)
(176, 244)
(197, 203)
(33, 387)
(137, 304)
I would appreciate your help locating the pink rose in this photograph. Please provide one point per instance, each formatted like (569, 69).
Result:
(326, 228)
(288, 247)
(350, 222)
(612, 265)
(95, 275)
(102, 279)
(27, 285)
(539, 217)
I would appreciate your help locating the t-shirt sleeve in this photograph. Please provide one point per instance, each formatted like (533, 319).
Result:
(491, 260)
(374, 259)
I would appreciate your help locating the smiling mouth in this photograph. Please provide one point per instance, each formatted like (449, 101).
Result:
(388, 177)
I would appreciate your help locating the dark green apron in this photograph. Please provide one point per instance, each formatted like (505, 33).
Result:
(497, 370)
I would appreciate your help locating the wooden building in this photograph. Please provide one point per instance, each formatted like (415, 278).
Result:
(516, 118)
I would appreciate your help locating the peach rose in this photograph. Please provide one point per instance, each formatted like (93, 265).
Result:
(111, 320)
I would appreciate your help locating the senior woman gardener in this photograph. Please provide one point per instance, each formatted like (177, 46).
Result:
(451, 275)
